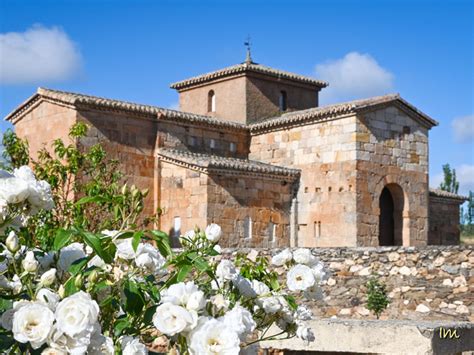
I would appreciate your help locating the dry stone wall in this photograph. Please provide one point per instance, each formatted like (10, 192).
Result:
(423, 283)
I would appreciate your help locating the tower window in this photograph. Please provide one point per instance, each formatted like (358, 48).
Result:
(211, 101)
(233, 147)
(192, 141)
(282, 101)
(212, 143)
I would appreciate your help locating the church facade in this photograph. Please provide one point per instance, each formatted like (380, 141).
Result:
(252, 150)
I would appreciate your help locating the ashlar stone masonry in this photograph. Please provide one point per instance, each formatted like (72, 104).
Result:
(252, 151)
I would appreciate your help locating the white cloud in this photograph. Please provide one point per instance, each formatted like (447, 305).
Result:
(354, 76)
(39, 54)
(463, 128)
(465, 176)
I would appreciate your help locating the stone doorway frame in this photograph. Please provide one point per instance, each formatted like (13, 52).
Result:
(401, 206)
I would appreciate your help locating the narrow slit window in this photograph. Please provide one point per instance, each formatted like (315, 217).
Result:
(282, 101)
(192, 141)
(212, 144)
(233, 147)
(211, 101)
(248, 228)
(271, 232)
(317, 229)
(177, 226)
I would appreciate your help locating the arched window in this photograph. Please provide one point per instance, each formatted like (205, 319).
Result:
(282, 101)
(211, 101)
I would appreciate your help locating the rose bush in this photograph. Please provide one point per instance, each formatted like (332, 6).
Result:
(124, 290)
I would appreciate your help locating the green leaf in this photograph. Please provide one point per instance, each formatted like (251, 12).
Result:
(5, 304)
(89, 199)
(77, 266)
(137, 236)
(69, 287)
(291, 302)
(134, 301)
(6, 341)
(198, 261)
(62, 238)
(95, 243)
(183, 272)
(162, 242)
(120, 325)
(148, 317)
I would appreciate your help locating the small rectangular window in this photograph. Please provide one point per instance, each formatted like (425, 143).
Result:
(271, 232)
(177, 226)
(233, 147)
(212, 143)
(317, 229)
(192, 141)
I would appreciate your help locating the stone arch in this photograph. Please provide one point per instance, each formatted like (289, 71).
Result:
(394, 188)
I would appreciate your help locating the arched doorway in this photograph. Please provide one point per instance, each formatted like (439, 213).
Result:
(391, 215)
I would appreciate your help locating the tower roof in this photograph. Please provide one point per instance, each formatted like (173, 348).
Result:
(244, 68)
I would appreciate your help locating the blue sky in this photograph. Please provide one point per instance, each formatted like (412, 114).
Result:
(133, 50)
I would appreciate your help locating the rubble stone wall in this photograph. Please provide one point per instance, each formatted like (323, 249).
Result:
(423, 283)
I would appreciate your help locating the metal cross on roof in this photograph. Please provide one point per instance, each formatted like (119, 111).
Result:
(247, 43)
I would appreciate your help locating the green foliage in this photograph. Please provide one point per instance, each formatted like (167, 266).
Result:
(377, 300)
(87, 187)
(450, 182)
(16, 151)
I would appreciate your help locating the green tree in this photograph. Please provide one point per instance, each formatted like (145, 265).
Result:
(377, 300)
(450, 182)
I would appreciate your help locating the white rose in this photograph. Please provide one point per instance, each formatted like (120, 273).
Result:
(132, 346)
(98, 262)
(213, 232)
(40, 195)
(7, 319)
(53, 351)
(260, 288)
(14, 190)
(48, 298)
(282, 257)
(29, 263)
(304, 256)
(300, 277)
(46, 260)
(12, 242)
(32, 323)
(124, 249)
(101, 345)
(76, 313)
(305, 333)
(214, 337)
(77, 345)
(318, 272)
(69, 254)
(220, 302)
(240, 320)
(186, 295)
(171, 319)
(270, 304)
(303, 313)
(226, 270)
(244, 286)
(148, 257)
(48, 278)
(15, 285)
(24, 173)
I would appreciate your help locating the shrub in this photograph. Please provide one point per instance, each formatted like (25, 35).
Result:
(377, 300)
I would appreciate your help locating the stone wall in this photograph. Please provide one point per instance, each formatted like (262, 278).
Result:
(392, 152)
(263, 96)
(444, 221)
(251, 210)
(427, 283)
(326, 200)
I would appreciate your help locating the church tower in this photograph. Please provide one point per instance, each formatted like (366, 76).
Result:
(247, 93)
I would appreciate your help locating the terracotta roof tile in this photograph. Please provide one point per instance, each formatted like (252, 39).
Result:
(446, 194)
(324, 112)
(245, 68)
(215, 162)
(81, 100)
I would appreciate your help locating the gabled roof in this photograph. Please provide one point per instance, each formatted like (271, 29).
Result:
(226, 165)
(87, 101)
(246, 67)
(446, 194)
(336, 110)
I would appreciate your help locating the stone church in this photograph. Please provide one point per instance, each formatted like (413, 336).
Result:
(252, 150)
